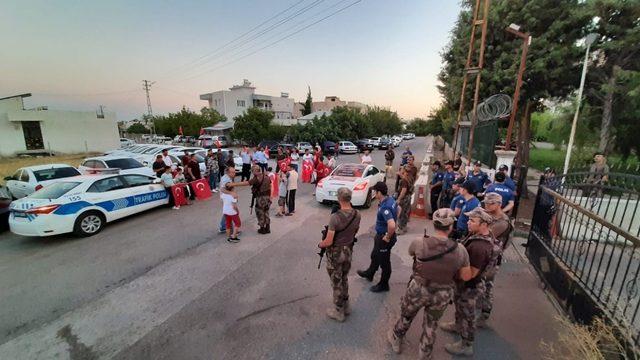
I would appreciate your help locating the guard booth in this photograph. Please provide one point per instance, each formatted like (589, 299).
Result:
(584, 244)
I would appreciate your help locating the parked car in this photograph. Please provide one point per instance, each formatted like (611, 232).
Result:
(302, 146)
(347, 147)
(406, 136)
(328, 147)
(364, 144)
(358, 178)
(126, 165)
(396, 140)
(272, 145)
(237, 160)
(124, 143)
(376, 141)
(384, 143)
(84, 204)
(27, 180)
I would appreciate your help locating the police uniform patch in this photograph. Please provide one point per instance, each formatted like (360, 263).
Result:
(386, 212)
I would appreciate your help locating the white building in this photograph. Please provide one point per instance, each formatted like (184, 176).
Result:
(239, 98)
(42, 130)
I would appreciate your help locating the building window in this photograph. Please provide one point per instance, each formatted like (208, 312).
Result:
(240, 103)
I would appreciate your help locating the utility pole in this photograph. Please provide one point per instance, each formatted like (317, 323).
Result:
(526, 41)
(475, 69)
(146, 85)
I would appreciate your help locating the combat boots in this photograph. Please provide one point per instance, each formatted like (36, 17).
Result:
(451, 327)
(365, 274)
(347, 308)
(396, 342)
(336, 315)
(380, 287)
(459, 348)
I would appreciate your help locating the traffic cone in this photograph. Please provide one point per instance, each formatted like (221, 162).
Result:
(419, 210)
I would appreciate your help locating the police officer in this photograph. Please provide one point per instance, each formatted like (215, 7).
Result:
(478, 178)
(437, 261)
(470, 203)
(483, 256)
(437, 177)
(261, 192)
(506, 194)
(384, 240)
(501, 229)
(448, 178)
(338, 242)
(508, 181)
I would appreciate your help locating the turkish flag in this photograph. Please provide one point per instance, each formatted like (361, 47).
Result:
(201, 189)
(180, 130)
(201, 131)
(179, 194)
(307, 170)
(274, 185)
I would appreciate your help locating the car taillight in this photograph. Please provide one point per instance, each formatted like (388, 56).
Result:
(47, 209)
(360, 186)
(38, 187)
(320, 183)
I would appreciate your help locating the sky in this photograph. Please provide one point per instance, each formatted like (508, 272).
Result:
(76, 55)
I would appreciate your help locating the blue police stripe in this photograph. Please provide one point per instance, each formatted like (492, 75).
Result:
(112, 205)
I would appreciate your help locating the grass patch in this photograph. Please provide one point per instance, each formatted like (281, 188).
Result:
(8, 166)
(542, 158)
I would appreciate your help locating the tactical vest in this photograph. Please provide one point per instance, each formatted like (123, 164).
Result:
(503, 238)
(491, 268)
(438, 263)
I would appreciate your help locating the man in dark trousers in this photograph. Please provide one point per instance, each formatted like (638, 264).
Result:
(384, 240)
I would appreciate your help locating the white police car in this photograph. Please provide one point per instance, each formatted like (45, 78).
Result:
(84, 204)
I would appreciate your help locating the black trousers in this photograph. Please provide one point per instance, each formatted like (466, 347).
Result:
(434, 201)
(171, 201)
(291, 201)
(246, 172)
(381, 257)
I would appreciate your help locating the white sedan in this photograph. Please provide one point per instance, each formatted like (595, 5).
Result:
(84, 204)
(26, 180)
(125, 165)
(358, 178)
(347, 147)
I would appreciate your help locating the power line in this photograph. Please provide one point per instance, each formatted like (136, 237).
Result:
(277, 41)
(237, 38)
(146, 85)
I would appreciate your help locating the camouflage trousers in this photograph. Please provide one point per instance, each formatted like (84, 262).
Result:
(403, 217)
(465, 301)
(263, 203)
(434, 300)
(485, 298)
(338, 266)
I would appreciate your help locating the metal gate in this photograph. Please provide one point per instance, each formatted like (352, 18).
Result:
(584, 244)
(485, 138)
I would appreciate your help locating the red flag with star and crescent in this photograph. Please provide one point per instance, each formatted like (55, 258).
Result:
(201, 189)
(307, 170)
(179, 194)
(180, 130)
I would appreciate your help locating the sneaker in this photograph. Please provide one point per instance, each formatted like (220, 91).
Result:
(222, 231)
(364, 274)
(395, 341)
(379, 288)
(335, 314)
(176, 208)
(450, 327)
(215, 190)
(459, 348)
(278, 215)
(288, 214)
(231, 240)
(235, 239)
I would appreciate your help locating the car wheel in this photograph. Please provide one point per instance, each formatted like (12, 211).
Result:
(89, 223)
(367, 201)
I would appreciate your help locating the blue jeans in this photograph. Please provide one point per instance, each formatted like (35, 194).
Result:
(223, 224)
(213, 180)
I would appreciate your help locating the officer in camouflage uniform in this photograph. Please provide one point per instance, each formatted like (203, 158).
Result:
(483, 257)
(437, 261)
(501, 228)
(405, 189)
(338, 242)
(261, 192)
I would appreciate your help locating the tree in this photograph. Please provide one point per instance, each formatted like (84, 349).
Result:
(137, 128)
(308, 103)
(190, 121)
(384, 121)
(553, 61)
(618, 51)
(253, 126)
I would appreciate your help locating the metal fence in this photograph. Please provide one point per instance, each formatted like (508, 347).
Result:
(485, 138)
(584, 243)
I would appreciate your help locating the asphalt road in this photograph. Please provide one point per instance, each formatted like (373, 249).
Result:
(43, 279)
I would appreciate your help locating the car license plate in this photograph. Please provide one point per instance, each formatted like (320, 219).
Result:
(332, 193)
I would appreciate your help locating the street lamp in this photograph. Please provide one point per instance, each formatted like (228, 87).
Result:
(526, 41)
(589, 40)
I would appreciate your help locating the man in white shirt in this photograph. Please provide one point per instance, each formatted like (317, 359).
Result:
(291, 188)
(365, 159)
(167, 160)
(229, 174)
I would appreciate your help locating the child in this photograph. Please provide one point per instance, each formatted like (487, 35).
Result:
(282, 190)
(231, 213)
(274, 183)
(181, 179)
(168, 182)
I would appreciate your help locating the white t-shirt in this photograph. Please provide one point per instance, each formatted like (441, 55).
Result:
(307, 157)
(223, 182)
(365, 159)
(167, 160)
(227, 204)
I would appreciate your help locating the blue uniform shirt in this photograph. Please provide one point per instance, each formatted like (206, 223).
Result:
(405, 157)
(468, 206)
(437, 177)
(503, 190)
(510, 183)
(447, 180)
(478, 180)
(457, 202)
(386, 210)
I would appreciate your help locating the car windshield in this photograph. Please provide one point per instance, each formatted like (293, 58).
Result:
(55, 173)
(222, 138)
(124, 164)
(304, 144)
(350, 170)
(199, 158)
(347, 143)
(150, 150)
(54, 191)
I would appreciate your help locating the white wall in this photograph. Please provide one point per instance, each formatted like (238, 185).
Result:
(282, 106)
